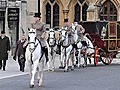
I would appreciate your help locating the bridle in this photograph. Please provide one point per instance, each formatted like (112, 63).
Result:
(53, 38)
(35, 45)
(64, 39)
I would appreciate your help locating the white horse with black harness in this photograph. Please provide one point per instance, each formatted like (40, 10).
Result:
(85, 45)
(66, 49)
(52, 48)
(34, 57)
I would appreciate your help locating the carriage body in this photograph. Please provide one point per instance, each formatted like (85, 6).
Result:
(105, 37)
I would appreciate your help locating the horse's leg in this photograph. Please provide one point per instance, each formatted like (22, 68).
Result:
(72, 60)
(79, 57)
(53, 61)
(49, 62)
(40, 75)
(85, 60)
(30, 69)
(61, 59)
(35, 65)
(74, 57)
(67, 60)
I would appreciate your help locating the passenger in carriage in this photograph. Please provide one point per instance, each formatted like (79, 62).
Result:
(41, 33)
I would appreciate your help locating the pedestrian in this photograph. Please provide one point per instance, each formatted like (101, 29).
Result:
(41, 33)
(4, 49)
(20, 52)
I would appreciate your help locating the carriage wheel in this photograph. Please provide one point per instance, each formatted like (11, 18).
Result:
(107, 59)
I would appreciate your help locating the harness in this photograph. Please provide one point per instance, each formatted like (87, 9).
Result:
(34, 50)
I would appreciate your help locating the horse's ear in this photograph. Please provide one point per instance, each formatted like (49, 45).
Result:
(28, 29)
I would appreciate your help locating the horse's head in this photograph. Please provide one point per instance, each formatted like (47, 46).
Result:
(64, 34)
(31, 38)
(51, 37)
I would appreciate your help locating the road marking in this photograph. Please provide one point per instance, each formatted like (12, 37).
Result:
(4, 77)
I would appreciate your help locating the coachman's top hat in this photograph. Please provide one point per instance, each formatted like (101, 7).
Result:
(66, 20)
(2, 32)
(75, 20)
(37, 15)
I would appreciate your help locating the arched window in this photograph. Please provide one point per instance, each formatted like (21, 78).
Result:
(56, 15)
(81, 1)
(108, 11)
(52, 1)
(77, 12)
(48, 14)
(84, 12)
(81, 10)
(52, 14)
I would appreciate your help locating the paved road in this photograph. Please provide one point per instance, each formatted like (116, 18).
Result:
(90, 78)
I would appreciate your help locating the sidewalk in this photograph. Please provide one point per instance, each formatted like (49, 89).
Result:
(12, 69)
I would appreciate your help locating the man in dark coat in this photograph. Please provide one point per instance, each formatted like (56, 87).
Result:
(20, 52)
(4, 49)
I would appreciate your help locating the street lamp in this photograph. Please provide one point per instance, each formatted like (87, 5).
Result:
(39, 6)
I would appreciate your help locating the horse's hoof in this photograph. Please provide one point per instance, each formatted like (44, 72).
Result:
(51, 70)
(72, 69)
(40, 84)
(83, 66)
(66, 70)
(31, 86)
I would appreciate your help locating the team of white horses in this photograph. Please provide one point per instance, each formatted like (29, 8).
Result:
(36, 59)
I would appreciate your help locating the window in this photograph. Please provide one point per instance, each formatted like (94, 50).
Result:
(80, 9)
(48, 14)
(52, 14)
(77, 12)
(3, 3)
(56, 15)
(108, 11)
(81, 1)
(52, 1)
(2, 21)
(84, 12)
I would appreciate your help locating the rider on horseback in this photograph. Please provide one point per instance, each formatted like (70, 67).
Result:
(80, 31)
(68, 28)
(41, 33)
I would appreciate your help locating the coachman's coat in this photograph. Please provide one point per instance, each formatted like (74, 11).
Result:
(4, 47)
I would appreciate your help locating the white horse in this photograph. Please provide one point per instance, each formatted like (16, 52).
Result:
(52, 46)
(79, 47)
(66, 49)
(34, 57)
(88, 48)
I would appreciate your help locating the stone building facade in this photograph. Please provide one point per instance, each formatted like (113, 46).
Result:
(13, 18)
(54, 11)
(96, 16)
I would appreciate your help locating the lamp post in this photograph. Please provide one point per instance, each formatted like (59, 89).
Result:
(39, 6)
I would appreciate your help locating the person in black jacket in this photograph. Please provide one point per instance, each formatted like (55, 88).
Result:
(4, 49)
(20, 52)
